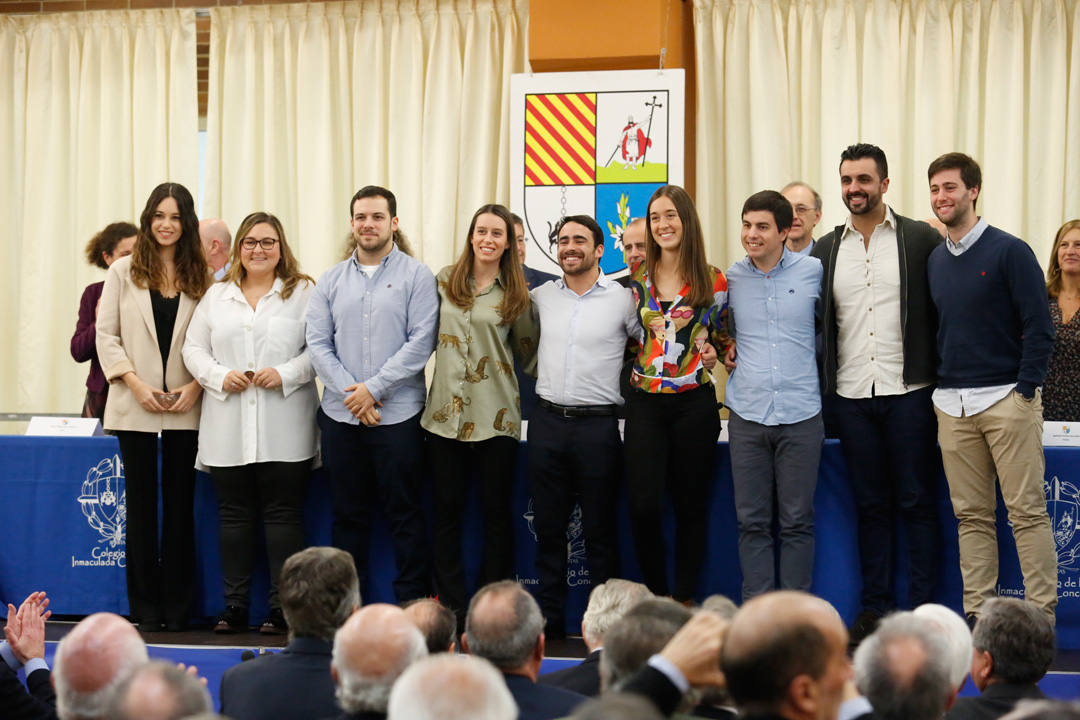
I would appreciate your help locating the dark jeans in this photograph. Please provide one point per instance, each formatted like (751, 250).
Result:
(670, 442)
(383, 462)
(160, 577)
(277, 491)
(453, 464)
(775, 464)
(574, 460)
(890, 446)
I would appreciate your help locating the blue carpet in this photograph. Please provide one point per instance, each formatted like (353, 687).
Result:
(212, 663)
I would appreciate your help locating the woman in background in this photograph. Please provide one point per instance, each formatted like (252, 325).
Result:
(473, 412)
(672, 421)
(246, 347)
(146, 304)
(111, 244)
(1061, 389)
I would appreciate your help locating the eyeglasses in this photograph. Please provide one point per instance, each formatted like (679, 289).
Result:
(264, 243)
(804, 209)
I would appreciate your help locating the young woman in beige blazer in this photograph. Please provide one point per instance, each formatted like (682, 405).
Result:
(146, 304)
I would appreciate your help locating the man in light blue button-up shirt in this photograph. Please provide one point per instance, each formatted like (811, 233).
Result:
(775, 429)
(371, 327)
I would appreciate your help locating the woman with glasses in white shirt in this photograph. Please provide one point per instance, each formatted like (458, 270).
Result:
(246, 347)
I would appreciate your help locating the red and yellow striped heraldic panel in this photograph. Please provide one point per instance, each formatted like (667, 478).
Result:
(560, 139)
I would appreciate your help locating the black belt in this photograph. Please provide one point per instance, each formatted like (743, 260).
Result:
(569, 411)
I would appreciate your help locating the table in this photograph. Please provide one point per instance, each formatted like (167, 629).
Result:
(64, 534)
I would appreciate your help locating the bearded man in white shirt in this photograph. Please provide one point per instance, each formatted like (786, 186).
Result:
(879, 363)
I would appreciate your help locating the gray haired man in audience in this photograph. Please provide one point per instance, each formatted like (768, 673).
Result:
(159, 690)
(957, 636)
(608, 602)
(371, 650)
(91, 662)
(642, 632)
(903, 669)
(451, 687)
(436, 622)
(1014, 646)
(505, 627)
(318, 589)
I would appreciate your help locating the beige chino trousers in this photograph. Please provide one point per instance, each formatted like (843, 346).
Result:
(1006, 440)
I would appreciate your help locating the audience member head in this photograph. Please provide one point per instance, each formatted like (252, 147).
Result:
(806, 202)
(623, 706)
(633, 242)
(504, 626)
(436, 622)
(642, 632)
(216, 242)
(318, 589)
(371, 650)
(159, 690)
(1014, 642)
(957, 636)
(1064, 256)
(608, 602)
(1044, 710)
(91, 661)
(721, 605)
(785, 653)
(117, 240)
(451, 687)
(903, 669)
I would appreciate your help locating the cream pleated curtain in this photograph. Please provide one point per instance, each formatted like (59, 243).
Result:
(785, 85)
(309, 102)
(96, 108)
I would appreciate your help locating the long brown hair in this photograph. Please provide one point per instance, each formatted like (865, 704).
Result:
(515, 291)
(287, 268)
(693, 267)
(1053, 269)
(147, 270)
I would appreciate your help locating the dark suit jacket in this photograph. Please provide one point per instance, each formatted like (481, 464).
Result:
(541, 702)
(18, 704)
(997, 700)
(366, 715)
(582, 678)
(294, 683)
(535, 278)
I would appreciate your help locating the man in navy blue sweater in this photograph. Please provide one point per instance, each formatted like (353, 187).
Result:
(994, 338)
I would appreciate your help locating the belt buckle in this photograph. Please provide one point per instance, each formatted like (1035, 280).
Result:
(565, 412)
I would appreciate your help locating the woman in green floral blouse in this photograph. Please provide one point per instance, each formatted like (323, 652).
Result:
(473, 413)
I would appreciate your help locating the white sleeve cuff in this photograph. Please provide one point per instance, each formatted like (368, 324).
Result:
(672, 673)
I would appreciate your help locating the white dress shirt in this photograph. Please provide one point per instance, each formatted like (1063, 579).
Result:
(256, 425)
(866, 285)
(583, 341)
(961, 402)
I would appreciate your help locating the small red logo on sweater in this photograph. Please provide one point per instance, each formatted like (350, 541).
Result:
(984, 273)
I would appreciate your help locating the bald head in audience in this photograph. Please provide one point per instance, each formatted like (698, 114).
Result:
(159, 690)
(504, 626)
(436, 622)
(91, 661)
(785, 654)
(452, 687)
(371, 650)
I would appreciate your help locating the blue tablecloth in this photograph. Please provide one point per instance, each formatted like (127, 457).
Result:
(64, 534)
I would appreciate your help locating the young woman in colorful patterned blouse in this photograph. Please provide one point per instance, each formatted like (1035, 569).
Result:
(1061, 389)
(672, 421)
(473, 412)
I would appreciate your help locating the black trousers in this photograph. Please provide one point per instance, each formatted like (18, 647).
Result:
(890, 447)
(575, 460)
(160, 576)
(383, 462)
(454, 463)
(670, 445)
(275, 490)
